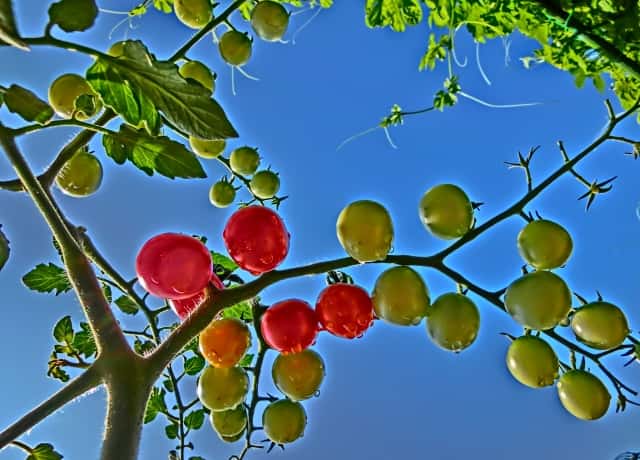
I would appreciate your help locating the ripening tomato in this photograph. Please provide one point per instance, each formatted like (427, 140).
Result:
(256, 239)
(365, 231)
(174, 266)
(222, 388)
(284, 421)
(207, 148)
(230, 422)
(345, 310)
(453, 321)
(544, 244)
(538, 300)
(600, 325)
(400, 296)
(235, 48)
(224, 342)
(63, 93)
(446, 211)
(183, 307)
(298, 375)
(193, 13)
(532, 362)
(269, 20)
(583, 395)
(197, 71)
(80, 176)
(289, 326)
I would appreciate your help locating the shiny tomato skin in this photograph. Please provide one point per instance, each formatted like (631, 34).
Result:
(345, 310)
(583, 395)
(601, 325)
(289, 326)
(174, 266)
(224, 342)
(284, 421)
(183, 307)
(256, 239)
(532, 362)
(298, 375)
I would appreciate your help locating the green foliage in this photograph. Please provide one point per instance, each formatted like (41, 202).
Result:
(195, 419)
(46, 278)
(224, 262)
(44, 452)
(73, 15)
(152, 153)
(156, 405)
(240, 310)
(25, 103)
(397, 14)
(127, 305)
(194, 365)
(70, 348)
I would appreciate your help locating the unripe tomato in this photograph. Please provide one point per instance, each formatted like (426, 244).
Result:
(583, 395)
(207, 148)
(600, 325)
(117, 49)
(298, 375)
(344, 310)
(400, 296)
(244, 160)
(284, 421)
(235, 48)
(365, 231)
(193, 13)
(446, 211)
(199, 72)
(265, 184)
(230, 422)
(4, 249)
(174, 266)
(544, 244)
(63, 93)
(256, 239)
(80, 176)
(532, 362)
(269, 20)
(73, 15)
(289, 326)
(538, 300)
(183, 307)
(224, 342)
(453, 321)
(222, 388)
(222, 194)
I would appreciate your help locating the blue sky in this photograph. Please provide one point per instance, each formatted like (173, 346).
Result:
(392, 394)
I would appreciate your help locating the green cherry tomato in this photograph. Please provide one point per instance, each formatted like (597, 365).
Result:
(298, 375)
(453, 321)
(269, 20)
(446, 211)
(222, 388)
(265, 184)
(244, 160)
(234, 438)
(199, 72)
(207, 148)
(400, 296)
(600, 325)
(532, 362)
(193, 13)
(538, 300)
(229, 422)
(365, 231)
(4, 249)
(222, 194)
(583, 395)
(80, 176)
(284, 421)
(544, 244)
(235, 48)
(63, 93)
(117, 49)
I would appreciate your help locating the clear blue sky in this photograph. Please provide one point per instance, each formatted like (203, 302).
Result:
(392, 394)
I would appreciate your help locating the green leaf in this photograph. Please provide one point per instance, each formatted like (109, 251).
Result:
(152, 154)
(73, 15)
(171, 431)
(63, 331)
(195, 419)
(240, 310)
(163, 5)
(436, 51)
(396, 14)
(106, 290)
(8, 30)
(44, 452)
(83, 341)
(168, 385)
(224, 261)
(194, 365)
(246, 360)
(137, 86)
(127, 305)
(47, 278)
(30, 107)
(143, 348)
(156, 405)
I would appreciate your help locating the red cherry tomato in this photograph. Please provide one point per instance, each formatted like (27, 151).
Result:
(289, 326)
(182, 307)
(256, 239)
(345, 310)
(174, 266)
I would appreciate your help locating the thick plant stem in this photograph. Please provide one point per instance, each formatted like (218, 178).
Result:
(77, 387)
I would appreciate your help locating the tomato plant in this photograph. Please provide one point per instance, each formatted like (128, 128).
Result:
(453, 321)
(400, 296)
(345, 310)
(289, 326)
(298, 375)
(365, 230)
(532, 362)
